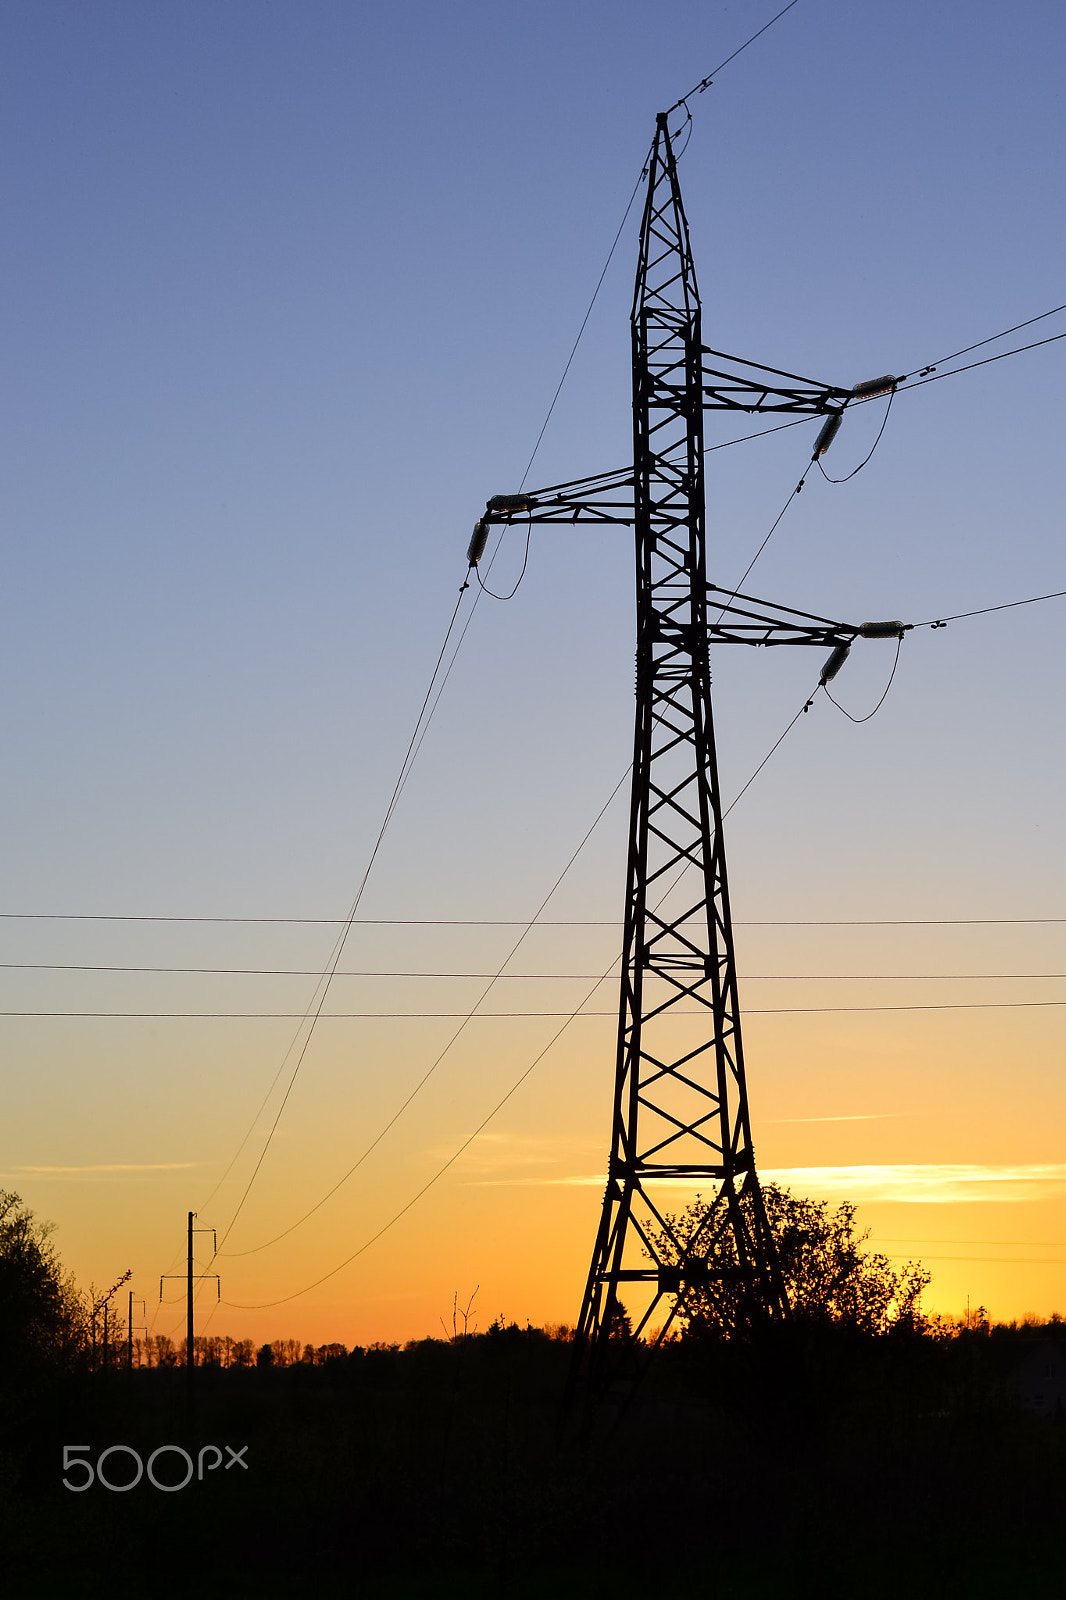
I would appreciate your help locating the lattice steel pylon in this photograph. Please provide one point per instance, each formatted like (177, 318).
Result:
(680, 1098)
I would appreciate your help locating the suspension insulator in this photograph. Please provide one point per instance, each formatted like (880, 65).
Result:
(834, 664)
(478, 539)
(830, 429)
(874, 386)
(881, 630)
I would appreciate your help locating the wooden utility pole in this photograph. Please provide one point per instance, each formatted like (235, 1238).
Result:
(191, 1278)
(189, 1362)
(129, 1332)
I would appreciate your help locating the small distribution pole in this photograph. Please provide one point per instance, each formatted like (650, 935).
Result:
(129, 1331)
(192, 1277)
(100, 1303)
(188, 1302)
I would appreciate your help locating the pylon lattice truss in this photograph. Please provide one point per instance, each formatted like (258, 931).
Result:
(680, 1098)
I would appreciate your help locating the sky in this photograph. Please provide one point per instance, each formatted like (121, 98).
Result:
(288, 291)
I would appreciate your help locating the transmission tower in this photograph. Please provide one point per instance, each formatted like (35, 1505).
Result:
(680, 1097)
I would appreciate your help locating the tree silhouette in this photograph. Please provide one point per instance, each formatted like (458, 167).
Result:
(43, 1318)
(829, 1276)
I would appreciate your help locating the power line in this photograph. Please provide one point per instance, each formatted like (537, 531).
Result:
(567, 1022)
(992, 337)
(867, 458)
(518, 922)
(880, 703)
(569, 1019)
(471, 1015)
(987, 361)
(314, 1010)
(744, 438)
(1003, 1261)
(913, 383)
(515, 977)
(806, 706)
(421, 729)
(481, 1016)
(705, 83)
(528, 1070)
(758, 553)
(483, 586)
(1008, 605)
(297, 1294)
(433, 1180)
(1005, 1244)
(581, 330)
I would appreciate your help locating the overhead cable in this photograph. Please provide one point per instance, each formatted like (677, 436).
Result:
(310, 1018)
(705, 83)
(759, 551)
(965, 351)
(422, 1016)
(501, 977)
(452, 1159)
(984, 611)
(584, 320)
(568, 1020)
(891, 677)
(873, 447)
(987, 361)
(520, 922)
(470, 1015)
(805, 707)
(783, 1011)
(483, 586)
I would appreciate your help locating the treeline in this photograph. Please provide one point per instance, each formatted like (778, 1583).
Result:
(833, 1280)
(223, 1352)
(220, 1350)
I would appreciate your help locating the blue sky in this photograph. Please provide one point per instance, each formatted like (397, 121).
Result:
(287, 292)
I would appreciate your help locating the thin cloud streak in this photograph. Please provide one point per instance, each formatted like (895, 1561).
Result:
(933, 1183)
(104, 1166)
(861, 1116)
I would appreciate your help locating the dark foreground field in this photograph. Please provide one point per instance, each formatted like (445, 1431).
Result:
(823, 1467)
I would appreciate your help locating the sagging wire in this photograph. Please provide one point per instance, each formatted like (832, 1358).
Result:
(686, 128)
(699, 88)
(804, 708)
(992, 337)
(983, 611)
(467, 1019)
(797, 490)
(585, 318)
(825, 686)
(829, 430)
(483, 586)
(314, 1009)
(705, 83)
(873, 447)
(766, 541)
(578, 1011)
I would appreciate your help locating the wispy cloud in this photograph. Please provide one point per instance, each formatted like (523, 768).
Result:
(100, 1166)
(938, 1183)
(859, 1116)
(934, 1183)
(501, 1152)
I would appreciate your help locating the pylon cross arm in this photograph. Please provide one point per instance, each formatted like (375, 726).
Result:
(749, 386)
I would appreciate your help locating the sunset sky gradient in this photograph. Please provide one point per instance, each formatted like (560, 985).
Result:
(288, 291)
